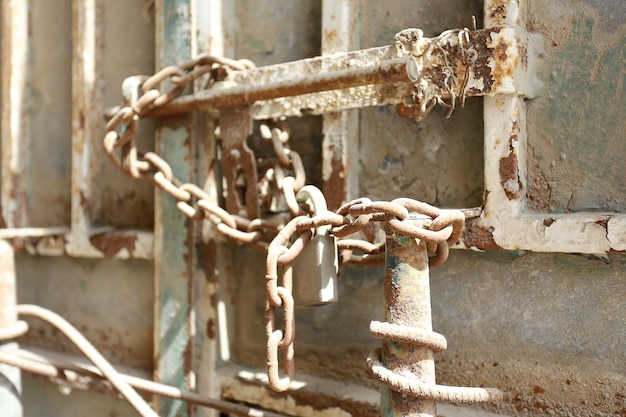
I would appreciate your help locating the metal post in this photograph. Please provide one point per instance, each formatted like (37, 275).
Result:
(10, 377)
(407, 302)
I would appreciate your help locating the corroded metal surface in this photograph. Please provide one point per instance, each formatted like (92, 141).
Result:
(238, 162)
(174, 234)
(437, 67)
(407, 302)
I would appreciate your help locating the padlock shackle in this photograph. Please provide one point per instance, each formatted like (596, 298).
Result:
(313, 195)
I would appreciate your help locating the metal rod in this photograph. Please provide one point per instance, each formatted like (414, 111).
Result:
(10, 377)
(15, 113)
(388, 72)
(407, 302)
(83, 377)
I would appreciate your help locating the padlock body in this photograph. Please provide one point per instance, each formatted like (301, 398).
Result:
(315, 273)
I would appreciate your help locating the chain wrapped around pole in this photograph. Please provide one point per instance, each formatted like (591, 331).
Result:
(284, 238)
(405, 363)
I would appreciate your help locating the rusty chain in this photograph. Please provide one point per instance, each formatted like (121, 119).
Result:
(281, 183)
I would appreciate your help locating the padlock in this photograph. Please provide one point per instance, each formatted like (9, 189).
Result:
(315, 269)
(315, 273)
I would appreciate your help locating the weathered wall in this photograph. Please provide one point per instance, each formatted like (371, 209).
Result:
(577, 129)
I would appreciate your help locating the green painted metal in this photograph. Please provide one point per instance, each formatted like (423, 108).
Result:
(407, 302)
(173, 232)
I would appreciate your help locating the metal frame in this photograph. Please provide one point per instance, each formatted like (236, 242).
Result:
(506, 223)
(81, 238)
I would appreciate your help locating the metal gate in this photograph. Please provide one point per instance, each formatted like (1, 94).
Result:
(536, 308)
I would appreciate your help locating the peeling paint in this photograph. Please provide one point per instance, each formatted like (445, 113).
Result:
(479, 237)
(111, 245)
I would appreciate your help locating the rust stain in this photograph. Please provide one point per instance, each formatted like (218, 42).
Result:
(509, 168)
(206, 253)
(478, 236)
(509, 172)
(548, 222)
(604, 223)
(481, 69)
(504, 65)
(330, 36)
(210, 329)
(497, 12)
(110, 245)
(335, 188)
(501, 51)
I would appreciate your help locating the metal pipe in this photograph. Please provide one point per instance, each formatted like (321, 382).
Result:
(407, 303)
(10, 376)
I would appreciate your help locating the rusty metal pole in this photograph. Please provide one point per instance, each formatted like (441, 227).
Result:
(407, 302)
(10, 377)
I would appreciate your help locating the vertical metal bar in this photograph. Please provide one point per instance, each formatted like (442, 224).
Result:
(174, 239)
(10, 377)
(340, 145)
(86, 124)
(407, 302)
(215, 35)
(15, 112)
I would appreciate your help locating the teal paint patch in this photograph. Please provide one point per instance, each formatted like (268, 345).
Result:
(385, 402)
(173, 252)
(502, 255)
(176, 31)
(577, 126)
(583, 265)
(588, 78)
(395, 350)
(393, 264)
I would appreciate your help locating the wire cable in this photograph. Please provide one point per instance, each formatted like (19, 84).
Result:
(128, 392)
(70, 371)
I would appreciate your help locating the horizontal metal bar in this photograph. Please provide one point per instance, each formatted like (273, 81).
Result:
(33, 232)
(390, 71)
(103, 242)
(413, 71)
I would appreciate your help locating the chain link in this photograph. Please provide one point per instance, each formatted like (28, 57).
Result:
(283, 242)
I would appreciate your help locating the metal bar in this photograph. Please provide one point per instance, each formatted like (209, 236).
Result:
(215, 22)
(340, 143)
(453, 65)
(174, 239)
(407, 302)
(10, 377)
(390, 71)
(86, 125)
(15, 113)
